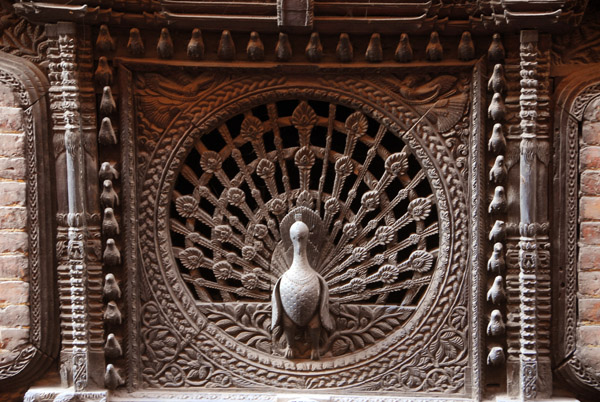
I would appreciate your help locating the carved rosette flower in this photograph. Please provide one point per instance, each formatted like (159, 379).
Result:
(344, 166)
(358, 285)
(259, 230)
(356, 124)
(387, 273)
(396, 164)
(419, 208)
(248, 252)
(222, 233)
(265, 169)
(304, 117)
(304, 158)
(277, 206)
(210, 161)
(370, 200)
(352, 272)
(250, 280)
(222, 270)
(332, 206)
(378, 259)
(186, 206)
(194, 237)
(350, 229)
(420, 261)
(235, 196)
(384, 235)
(251, 129)
(191, 258)
(359, 254)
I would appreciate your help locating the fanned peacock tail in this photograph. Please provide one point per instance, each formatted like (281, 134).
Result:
(357, 185)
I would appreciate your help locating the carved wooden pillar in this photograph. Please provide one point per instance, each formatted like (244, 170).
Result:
(81, 360)
(535, 376)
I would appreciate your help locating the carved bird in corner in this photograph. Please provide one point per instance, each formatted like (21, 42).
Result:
(301, 297)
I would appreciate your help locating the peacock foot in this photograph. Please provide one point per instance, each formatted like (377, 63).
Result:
(315, 355)
(288, 353)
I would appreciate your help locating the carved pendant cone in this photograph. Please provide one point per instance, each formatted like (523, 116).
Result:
(404, 52)
(255, 49)
(374, 53)
(314, 49)
(195, 47)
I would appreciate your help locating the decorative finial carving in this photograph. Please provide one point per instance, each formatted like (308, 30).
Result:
(164, 48)
(496, 263)
(498, 232)
(111, 290)
(374, 53)
(195, 47)
(103, 74)
(301, 297)
(112, 348)
(497, 110)
(498, 172)
(104, 42)
(434, 50)
(112, 314)
(255, 49)
(135, 45)
(111, 256)
(498, 204)
(496, 50)
(344, 51)
(497, 82)
(110, 227)
(496, 293)
(107, 135)
(112, 379)
(497, 142)
(314, 49)
(466, 48)
(107, 103)
(283, 50)
(108, 172)
(496, 325)
(404, 52)
(109, 197)
(226, 50)
(496, 356)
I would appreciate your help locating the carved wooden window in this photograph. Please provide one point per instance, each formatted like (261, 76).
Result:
(222, 166)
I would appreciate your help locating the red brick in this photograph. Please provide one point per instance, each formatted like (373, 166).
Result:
(12, 145)
(13, 242)
(589, 258)
(13, 218)
(12, 168)
(589, 283)
(13, 338)
(589, 232)
(591, 133)
(589, 335)
(13, 193)
(14, 266)
(590, 158)
(14, 316)
(11, 119)
(589, 310)
(590, 182)
(589, 208)
(14, 292)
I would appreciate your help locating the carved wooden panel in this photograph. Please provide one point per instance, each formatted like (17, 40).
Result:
(377, 167)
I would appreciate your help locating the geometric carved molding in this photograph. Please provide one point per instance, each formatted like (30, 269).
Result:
(30, 85)
(573, 96)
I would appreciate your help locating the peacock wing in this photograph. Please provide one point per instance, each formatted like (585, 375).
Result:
(277, 308)
(326, 319)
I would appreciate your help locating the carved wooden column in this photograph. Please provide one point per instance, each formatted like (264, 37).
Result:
(81, 360)
(535, 376)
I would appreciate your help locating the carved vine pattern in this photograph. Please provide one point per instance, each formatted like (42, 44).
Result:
(433, 331)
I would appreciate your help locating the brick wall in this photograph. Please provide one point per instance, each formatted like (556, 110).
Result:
(14, 285)
(589, 239)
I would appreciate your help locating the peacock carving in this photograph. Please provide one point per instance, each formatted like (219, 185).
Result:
(305, 190)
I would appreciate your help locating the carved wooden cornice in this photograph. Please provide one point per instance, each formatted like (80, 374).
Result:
(414, 16)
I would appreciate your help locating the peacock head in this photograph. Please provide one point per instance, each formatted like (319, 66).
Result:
(299, 233)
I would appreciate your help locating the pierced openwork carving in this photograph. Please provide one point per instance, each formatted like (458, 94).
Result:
(235, 164)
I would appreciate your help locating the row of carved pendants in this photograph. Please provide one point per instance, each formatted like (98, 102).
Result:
(498, 175)
(111, 257)
(255, 49)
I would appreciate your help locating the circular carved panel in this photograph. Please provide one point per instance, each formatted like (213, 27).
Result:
(223, 197)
